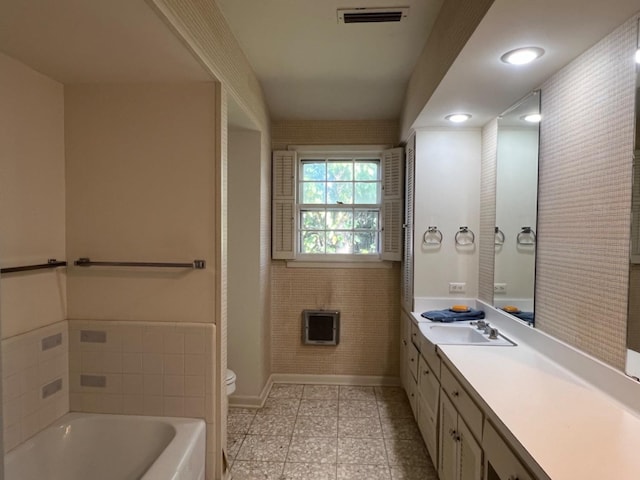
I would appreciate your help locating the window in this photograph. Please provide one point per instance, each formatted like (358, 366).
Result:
(339, 206)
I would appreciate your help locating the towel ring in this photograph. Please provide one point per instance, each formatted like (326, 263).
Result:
(499, 240)
(526, 237)
(464, 232)
(432, 236)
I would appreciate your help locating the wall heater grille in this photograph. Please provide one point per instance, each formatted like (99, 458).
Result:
(320, 327)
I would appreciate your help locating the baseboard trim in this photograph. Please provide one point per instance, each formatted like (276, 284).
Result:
(252, 401)
(363, 380)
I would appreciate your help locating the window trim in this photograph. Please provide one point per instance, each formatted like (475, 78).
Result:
(326, 152)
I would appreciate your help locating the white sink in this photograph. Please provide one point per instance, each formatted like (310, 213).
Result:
(459, 335)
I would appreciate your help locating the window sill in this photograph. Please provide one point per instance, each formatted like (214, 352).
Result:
(342, 264)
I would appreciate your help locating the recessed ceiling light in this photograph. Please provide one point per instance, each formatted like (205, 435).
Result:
(458, 117)
(532, 117)
(522, 56)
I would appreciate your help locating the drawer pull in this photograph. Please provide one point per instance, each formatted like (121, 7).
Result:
(454, 435)
(455, 393)
(426, 372)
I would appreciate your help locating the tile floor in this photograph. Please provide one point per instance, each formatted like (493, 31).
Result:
(328, 432)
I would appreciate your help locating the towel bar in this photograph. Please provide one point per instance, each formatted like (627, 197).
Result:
(87, 262)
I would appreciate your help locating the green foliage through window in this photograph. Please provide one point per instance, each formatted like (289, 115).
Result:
(339, 204)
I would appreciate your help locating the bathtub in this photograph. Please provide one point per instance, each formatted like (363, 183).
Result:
(83, 446)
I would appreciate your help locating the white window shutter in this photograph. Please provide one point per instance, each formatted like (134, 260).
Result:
(283, 245)
(407, 255)
(392, 203)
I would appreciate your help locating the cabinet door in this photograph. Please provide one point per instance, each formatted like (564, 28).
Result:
(448, 445)
(413, 362)
(428, 385)
(470, 454)
(500, 461)
(428, 425)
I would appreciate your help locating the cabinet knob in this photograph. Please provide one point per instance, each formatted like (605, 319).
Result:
(404, 342)
(455, 393)
(413, 360)
(513, 477)
(426, 372)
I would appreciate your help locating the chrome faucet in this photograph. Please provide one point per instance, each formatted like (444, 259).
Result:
(481, 324)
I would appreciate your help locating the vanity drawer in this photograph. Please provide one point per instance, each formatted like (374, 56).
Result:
(428, 351)
(462, 401)
(500, 457)
(428, 385)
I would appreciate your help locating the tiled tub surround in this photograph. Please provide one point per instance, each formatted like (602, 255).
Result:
(35, 381)
(146, 368)
(328, 432)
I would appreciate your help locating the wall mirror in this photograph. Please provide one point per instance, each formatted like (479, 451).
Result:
(633, 315)
(516, 207)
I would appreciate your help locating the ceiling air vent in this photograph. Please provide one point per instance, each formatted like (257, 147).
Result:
(372, 15)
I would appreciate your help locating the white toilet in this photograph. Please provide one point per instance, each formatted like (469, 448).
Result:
(230, 382)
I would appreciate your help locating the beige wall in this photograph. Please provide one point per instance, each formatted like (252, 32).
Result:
(247, 318)
(32, 201)
(338, 132)
(369, 304)
(140, 166)
(369, 299)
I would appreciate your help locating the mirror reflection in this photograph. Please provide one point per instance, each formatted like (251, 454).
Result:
(516, 208)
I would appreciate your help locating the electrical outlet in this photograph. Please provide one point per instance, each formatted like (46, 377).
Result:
(500, 288)
(457, 287)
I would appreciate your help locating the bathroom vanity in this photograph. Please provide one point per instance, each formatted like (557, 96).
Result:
(534, 410)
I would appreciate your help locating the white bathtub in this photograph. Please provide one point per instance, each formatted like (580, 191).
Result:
(83, 446)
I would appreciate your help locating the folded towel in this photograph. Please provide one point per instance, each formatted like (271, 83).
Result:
(449, 315)
(526, 316)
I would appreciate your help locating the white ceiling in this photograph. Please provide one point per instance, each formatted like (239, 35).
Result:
(87, 41)
(480, 84)
(311, 67)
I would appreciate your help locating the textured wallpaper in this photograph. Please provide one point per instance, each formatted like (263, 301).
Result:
(586, 147)
(369, 302)
(487, 211)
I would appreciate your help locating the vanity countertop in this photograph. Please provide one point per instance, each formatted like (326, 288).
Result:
(568, 427)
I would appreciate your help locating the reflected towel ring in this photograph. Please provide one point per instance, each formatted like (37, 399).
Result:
(499, 239)
(526, 237)
(463, 233)
(432, 236)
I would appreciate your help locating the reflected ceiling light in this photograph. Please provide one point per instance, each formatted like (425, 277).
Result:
(638, 42)
(532, 117)
(522, 56)
(458, 117)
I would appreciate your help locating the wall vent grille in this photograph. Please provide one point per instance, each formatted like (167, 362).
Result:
(372, 15)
